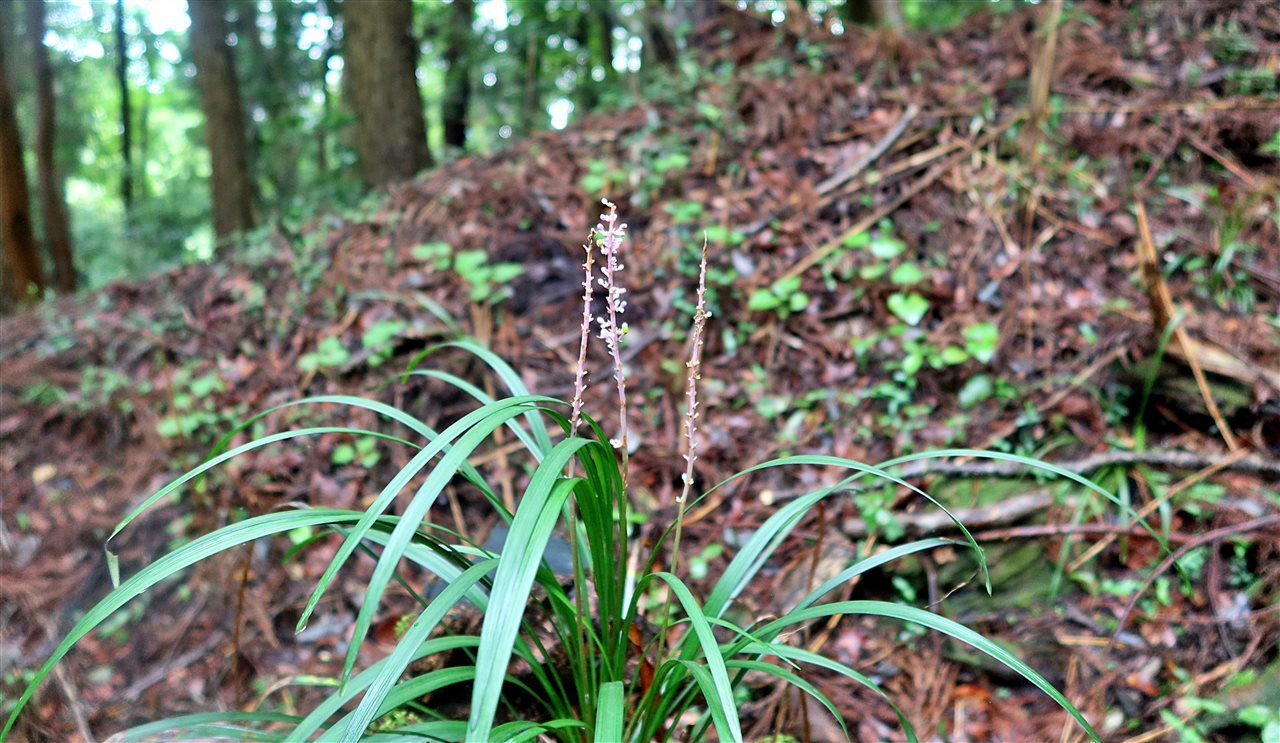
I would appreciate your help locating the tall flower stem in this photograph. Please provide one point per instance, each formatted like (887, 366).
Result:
(694, 367)
(575, 419)
(610, 235)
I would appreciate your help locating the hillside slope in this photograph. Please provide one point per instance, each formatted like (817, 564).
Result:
(877, 288)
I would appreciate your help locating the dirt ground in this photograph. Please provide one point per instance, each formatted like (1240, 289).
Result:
(1148, 193)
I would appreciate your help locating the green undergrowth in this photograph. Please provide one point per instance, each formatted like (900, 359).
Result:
(621, 648)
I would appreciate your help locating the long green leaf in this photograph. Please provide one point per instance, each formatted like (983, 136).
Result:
(493, 416)
(341, 696)
(610, 712)
(539, 509)
(208, 725)
(444, 470)
(939, 624)
(509, 377)
(402, 655)
(766, 539)
(169, 565)
(719, 693)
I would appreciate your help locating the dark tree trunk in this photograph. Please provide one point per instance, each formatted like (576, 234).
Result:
(326, 104)
(126, 114)
(53, 205)
(868, 12)
(457, 81)
(660, 45)
(692, 15)
(525, 41)
(224, 126)
(381, 83)
(26, 279)
(322, 140)
(602, 14)
(286, 142)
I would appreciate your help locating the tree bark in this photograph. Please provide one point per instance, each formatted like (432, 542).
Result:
(868, 12)
(382, 88)
(126, 114)
(660, 45)
(526, 41)
(457, 81)
(53, 204)
(26, 278)
(224, 126)
(602, 13)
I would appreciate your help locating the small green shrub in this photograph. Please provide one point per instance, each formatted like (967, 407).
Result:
(615, 683)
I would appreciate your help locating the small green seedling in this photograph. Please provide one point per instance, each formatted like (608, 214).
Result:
(329, 353)
(487, 281)
(437, 254)
(363, 452)
(782, 296)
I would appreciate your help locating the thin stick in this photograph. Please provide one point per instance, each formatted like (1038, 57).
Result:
(1162, 309)
(855, 168)
(1206, 538)
(870, 220)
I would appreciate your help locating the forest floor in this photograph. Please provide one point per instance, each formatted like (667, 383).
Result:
(898, 264)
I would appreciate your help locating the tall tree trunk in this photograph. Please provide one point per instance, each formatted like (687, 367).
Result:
(286, 139)
(224, 127)
(53, 204)
(457, 81)
(126, 114)
(382, 87)
(326, 105)
(868, 12)
(25, 275)
(602, 14)
(659, 44)
(588, 90)
(322, 139)
(525, 45)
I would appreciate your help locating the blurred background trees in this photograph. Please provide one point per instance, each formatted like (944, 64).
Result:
(152, 131)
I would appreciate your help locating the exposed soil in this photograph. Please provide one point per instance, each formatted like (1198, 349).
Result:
(1164, 105)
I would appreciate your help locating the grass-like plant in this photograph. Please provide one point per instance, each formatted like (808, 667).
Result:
(582, 654)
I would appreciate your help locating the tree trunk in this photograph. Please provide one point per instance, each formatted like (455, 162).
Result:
(224, 127)
(588, 90)
(457, 81)
(660, 45)
(382, 88)
(126, 115)
(53, 204)
(868, 12)
(25, 275)
(526, 46)
(602, 13)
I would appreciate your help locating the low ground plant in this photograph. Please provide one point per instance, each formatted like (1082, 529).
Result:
(621, 649)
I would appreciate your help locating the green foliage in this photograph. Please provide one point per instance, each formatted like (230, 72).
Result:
(698, 679)
(782, 296)
(363, 452)
(329, 353)
(192, 409)
(910, 307)
(487, 281)
(380, 339)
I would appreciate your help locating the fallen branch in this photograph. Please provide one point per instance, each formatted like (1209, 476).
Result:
(1213, 536)
(1163, 312)
(881, 147)
(935, 521)
(847, 174)
(1183, 460)
(870, 220)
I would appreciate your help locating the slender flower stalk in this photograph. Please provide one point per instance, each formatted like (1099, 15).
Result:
(609, 235)
(575, 419)
(694, 366)
(580, 380)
